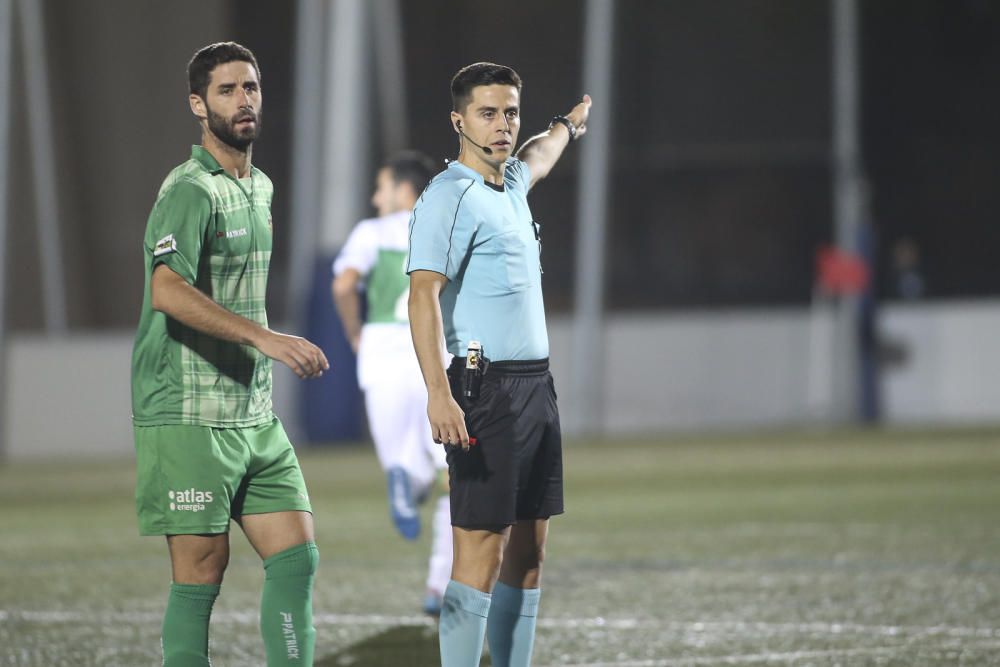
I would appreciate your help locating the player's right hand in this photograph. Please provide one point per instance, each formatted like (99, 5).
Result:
(304, 358)
(447, 421)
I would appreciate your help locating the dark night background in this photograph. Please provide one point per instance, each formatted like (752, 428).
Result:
(720, 189)
(721, 116)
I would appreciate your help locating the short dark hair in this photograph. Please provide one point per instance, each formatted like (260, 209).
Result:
(209, 57)
(411, 167)
(479, 74)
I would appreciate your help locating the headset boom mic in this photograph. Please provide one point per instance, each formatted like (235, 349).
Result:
(485, 149)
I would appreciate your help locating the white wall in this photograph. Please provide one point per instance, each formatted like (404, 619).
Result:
(667, 372)
(70, 396)
(952, 373)
(695, 370)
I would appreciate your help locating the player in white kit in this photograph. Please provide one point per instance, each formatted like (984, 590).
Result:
(374, 257)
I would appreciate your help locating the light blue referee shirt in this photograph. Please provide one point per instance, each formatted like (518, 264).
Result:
(484, 242)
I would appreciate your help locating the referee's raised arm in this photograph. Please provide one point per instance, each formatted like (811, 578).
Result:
(446, 417)
(542, 151)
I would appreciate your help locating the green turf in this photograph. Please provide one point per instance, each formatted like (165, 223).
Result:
(793, 549)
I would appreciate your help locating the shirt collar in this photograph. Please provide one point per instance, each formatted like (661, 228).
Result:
(455, 164)
(201, 155)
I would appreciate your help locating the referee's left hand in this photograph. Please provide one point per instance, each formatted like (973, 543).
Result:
(447, 420)
(579, 115)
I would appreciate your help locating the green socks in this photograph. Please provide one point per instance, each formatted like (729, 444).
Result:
(463, 625)
(285, 613)
(185, 625)
(510, 628)
(286, 606)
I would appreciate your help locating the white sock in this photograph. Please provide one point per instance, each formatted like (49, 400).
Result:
(439, 572)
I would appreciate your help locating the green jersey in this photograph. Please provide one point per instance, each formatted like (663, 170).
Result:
(388, 288)
(215, 232)
(376, 248)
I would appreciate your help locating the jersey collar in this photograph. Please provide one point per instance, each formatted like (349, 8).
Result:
(201, 155)
(455, 164)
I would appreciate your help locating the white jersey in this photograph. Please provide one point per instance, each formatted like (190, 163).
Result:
(376, 248)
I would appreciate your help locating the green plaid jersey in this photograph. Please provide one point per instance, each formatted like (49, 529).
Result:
(215, 232)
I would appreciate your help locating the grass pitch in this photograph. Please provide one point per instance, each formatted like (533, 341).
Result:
(875, 548)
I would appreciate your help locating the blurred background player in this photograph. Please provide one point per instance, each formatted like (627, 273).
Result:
(209, 448)
(374, 258)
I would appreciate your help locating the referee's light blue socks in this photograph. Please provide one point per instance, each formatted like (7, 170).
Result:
(463, 625)
(511, 625)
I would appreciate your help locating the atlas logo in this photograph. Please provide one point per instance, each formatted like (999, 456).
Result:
(189, 500)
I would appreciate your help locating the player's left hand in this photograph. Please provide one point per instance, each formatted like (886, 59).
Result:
(305, 358)
(578, 116)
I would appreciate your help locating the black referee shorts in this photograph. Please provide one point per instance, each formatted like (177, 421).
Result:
(514, 471)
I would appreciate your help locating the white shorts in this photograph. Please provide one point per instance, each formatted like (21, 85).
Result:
(396, 402)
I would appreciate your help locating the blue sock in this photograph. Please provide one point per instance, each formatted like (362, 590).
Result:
(463, 625)
(511, 626)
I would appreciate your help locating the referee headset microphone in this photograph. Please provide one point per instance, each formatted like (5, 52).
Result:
(485, 149)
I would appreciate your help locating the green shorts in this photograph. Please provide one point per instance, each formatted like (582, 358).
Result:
(191, 479)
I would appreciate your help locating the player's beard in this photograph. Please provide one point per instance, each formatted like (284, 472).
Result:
(226, 131)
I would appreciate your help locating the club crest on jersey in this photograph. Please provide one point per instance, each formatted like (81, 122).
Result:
(165, 245)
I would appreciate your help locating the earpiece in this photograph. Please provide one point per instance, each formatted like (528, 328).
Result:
(485, 149)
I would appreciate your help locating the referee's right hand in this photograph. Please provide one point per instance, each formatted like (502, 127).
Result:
(447, 420)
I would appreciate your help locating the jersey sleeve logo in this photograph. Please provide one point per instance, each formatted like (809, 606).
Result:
(166, 245)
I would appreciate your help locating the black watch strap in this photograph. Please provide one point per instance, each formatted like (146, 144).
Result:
(568, 123)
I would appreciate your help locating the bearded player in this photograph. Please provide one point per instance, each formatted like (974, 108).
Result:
(209, 449)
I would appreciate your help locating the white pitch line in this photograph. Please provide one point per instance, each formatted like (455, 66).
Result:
(836, 628)
(240, 617)
(693, 627)
(737, 659)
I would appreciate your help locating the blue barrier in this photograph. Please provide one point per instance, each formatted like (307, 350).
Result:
(332, 407)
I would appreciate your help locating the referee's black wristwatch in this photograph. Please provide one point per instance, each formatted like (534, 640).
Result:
(568, 123)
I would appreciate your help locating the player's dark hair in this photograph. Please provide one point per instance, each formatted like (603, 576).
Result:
(479, 74)
(209, 57)
(411, 167)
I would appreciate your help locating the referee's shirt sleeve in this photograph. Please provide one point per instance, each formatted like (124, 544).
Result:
(518, 175)
(441, 228)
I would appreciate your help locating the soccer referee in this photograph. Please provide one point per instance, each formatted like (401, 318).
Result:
(475, 275)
